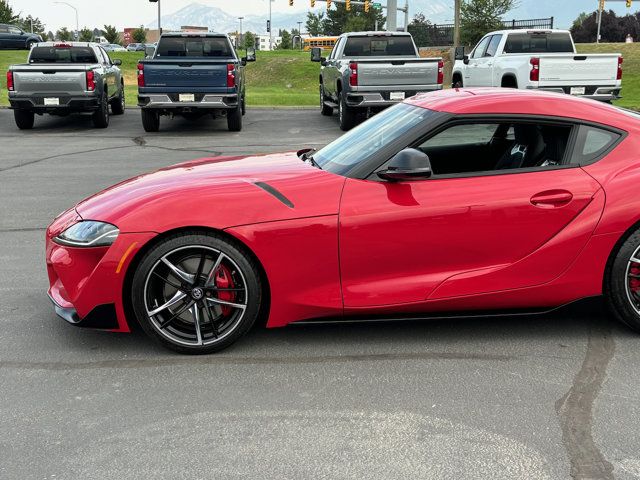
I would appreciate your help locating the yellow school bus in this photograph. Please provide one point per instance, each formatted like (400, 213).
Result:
(326, 43)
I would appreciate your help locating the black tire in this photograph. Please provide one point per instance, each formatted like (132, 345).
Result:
(325, 109)
(150, 120)
(100, 117)
(509, 82)
(30, 44)
(234, 119)
(118, 103)
(244, 105)
(190, 245)
(457, 82)
(24, 119)
(346, 115)
(623, 303)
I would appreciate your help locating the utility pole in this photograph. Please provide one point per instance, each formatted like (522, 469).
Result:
(300, 34)
(270, 28)
(240, 37)
(456, 22)
(600, 10)
(159, 20)
(392, 15)
(77, 36)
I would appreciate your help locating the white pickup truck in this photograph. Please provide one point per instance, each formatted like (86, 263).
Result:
(538, 59)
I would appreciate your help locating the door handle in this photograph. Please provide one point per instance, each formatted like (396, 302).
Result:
(552, 199)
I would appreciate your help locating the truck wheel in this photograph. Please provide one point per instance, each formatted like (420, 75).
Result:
(30, 44)
(457, 82)
(346, 115)
(24, 119)
(244, 105)
(234, 119)
(101, 116)
(325, 109)
(118, 103)
(150, 120)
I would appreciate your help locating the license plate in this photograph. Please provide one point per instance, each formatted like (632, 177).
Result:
(52, 101)
(396, 96)
(187, 97)
(577, 90)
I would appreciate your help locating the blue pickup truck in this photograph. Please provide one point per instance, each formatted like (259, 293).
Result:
(193, 74)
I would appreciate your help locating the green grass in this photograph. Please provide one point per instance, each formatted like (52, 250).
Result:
(289, 78)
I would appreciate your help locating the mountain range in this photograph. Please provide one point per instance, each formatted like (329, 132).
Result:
(437, 11)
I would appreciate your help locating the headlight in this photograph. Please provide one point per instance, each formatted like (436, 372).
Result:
(88, 234)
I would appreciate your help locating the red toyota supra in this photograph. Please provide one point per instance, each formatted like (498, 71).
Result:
(460, 202)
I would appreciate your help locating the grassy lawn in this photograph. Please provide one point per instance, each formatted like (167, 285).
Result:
(289, 78)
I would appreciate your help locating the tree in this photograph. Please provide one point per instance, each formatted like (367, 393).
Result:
(577, 23)
(249, 40)
(29, 21)
(86, 35)
(613, 28)
(111, 34)
(285, 44)
(139, 35)
(419, 28)
(339, 20)
(64, 34)
(479, 17)
(315, 25)
(7, 14)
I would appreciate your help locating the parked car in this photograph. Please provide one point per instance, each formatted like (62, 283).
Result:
(135, 47)
(192, 74)
(538, 59)
(113, 47)
(373, 70)
(466, 201)
(14, 38)
(61, 78)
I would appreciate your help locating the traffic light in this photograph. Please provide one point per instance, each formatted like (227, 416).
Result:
(328, 4)
(366, 6)
(347, 4)
(290, 3)
(268, 26)
(628, 3)
(313, 3)
(601, 5)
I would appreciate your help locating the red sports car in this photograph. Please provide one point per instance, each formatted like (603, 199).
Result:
(452, 203)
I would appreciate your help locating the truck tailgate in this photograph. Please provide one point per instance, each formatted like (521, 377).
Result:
(401, 72)
(52, 78)
(567, 69)
(200, 76)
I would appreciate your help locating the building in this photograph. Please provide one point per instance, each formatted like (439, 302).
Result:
(263, 42)
(127, 35)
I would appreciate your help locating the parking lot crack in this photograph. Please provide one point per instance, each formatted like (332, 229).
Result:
(575, 409)
(66, 154)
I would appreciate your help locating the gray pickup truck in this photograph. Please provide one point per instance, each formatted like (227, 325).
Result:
(369, 71)
(63, 78)
(192, 74)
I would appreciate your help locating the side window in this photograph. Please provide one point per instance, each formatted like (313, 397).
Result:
(478, 52)
(14, 31)
(496, 146)
(492, 48)
(4, 29)
(334, 51)
(591, 144)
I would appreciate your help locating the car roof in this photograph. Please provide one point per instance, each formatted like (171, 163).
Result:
(193, 34)
(372, 33)
(528, 30)
(501, 101)
(73, 44)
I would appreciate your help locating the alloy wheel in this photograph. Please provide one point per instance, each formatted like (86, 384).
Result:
(633, 280)
(195, 296)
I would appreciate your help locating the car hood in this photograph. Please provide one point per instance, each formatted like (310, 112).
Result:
(217, 192)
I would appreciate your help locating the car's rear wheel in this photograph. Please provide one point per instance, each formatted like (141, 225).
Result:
(346, 115)
(101, 116)
(24, 119)
(196, 293)
(622, 282)
(150, 120)
(234, 119)
(118, 103)
(325, 109)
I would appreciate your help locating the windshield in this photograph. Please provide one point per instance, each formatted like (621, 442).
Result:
(194, 47)
(539, 43)
(379, 46)
(62, 55)
(364, 141)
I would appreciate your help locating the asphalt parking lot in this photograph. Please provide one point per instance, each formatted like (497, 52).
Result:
(548, 397)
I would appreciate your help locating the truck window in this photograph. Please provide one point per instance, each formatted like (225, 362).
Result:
(492, 49)
(539, 43)
(62, 55)
(379, 46)
(194, 47)
(478, 52)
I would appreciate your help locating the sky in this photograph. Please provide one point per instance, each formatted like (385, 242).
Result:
(123, 13)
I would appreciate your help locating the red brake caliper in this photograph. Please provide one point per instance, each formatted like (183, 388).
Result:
(634, 282)
(224, 280)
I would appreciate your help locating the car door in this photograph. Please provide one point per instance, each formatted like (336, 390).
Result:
(484, 66)
(462, 234)
(109, 72)
(476, 60)
(4, 37)
(330, 71)
(16, 37)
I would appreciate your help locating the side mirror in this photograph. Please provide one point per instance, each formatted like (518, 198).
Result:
(251, 55)
(149, 51)
(459, 55)
(316, 55)
(408, 164)
(465, 60)
(117, 62)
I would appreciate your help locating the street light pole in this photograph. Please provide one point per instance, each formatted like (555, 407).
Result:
(300, 34)
(456, 27)
(159, 20)
(77, 23)
(270, 28)
(240, 40)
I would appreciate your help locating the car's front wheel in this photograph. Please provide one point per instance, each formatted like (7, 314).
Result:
(622, 282)
(24, 119)
(196, 293)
